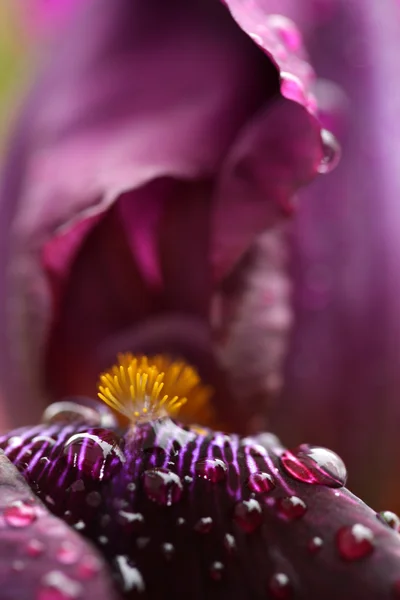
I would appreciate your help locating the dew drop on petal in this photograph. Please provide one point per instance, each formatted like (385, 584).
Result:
(390, 518)
(291, 507)
(314, 465)
(88, 567)
(67, 553)
(19, 514)
(96, 454)
(79, 410)
(286, 30)
(292, 88)
(35, 548)
(130, 577)
(211, 469)
(331, 152)
(168, 550)
(261, 482)
(132, 521)
(315, 545)
(162, 486)
(229, 543)
(279, 586)
(204, 525)
(355, 542)
(248, 515)
(57, 586)
(217, 570)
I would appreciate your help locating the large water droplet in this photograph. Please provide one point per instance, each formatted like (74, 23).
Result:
(20, 514)
(217, 570)
(279, 586)
(248, 515)
(96, 453)
(355, 542)
(291, 507)
(162, 486)
(204, 525)
(261, 482)
(212, 469)
(315, 465)
(57, 586)
(79, 410)
(332, 152)
(390, 518)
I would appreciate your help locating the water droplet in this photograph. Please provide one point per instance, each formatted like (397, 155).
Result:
(96, 453)
(248, 515)
(89, 566)
(67, 553)
(204, 525)
(79, 410)
(291, 507)
(315, 545)
(355, 542)
(314, 465)
(20, 514)
(280, 587)
(103, 540)
(230, 543)
(390, 518)
(332, 152)
(261, 482)
(180, 521)
(168, 550)
(131, 578)
(35, 548)
(211, 469)
(57, 586)
(217, 570)
(286, 30)
(162, 486)
(131, 520)
(40, 442)
(292, 88)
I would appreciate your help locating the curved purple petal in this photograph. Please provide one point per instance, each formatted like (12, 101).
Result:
(179, 511)
(145, 115)
(40, 556)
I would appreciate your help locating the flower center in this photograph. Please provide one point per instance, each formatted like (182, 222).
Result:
(146, 388)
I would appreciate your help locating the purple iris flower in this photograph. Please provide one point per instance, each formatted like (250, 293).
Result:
(160, 143)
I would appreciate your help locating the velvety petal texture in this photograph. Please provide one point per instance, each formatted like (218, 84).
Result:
(188, 512)
(40, 556)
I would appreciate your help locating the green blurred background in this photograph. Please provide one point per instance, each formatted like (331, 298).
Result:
(16, 61)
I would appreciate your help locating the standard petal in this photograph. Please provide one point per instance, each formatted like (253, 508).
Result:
(113, 113)
(40, 556)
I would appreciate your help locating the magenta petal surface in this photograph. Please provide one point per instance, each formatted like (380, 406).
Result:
(40, 556)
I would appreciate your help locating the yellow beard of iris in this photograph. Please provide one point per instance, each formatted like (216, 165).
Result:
(146, 388)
